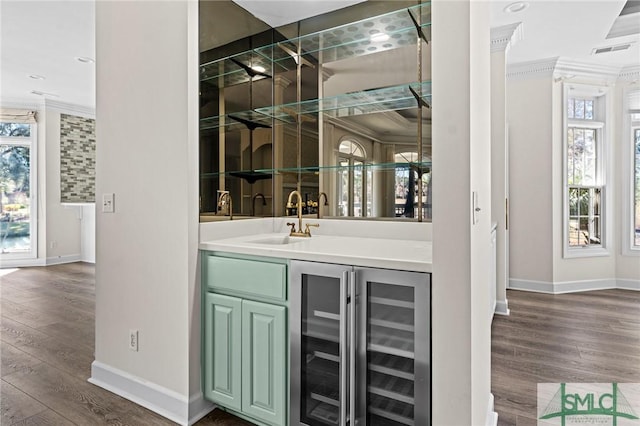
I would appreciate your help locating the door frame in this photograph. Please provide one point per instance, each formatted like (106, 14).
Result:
(31, 143)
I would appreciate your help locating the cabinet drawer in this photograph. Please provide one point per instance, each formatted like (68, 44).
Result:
(252, 277)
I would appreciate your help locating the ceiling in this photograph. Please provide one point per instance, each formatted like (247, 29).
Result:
(569, 28)
(44, 38)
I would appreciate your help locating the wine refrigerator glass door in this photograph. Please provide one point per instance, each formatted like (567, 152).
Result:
(319, 321)
(394, 351)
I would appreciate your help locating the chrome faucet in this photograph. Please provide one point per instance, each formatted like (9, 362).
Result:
(298, 206)
(253, 203)
(221, 203)
(326, 203)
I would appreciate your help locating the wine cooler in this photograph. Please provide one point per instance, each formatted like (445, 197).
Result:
(360, 346)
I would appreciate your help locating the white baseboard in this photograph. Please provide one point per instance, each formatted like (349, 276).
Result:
(502, 307)
(156, 398)
(573, 286)
(57, 260)
(629, 284)
(492, 416)
(199, 407)
(21, 263)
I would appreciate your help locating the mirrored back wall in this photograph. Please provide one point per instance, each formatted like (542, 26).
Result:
(279, 114)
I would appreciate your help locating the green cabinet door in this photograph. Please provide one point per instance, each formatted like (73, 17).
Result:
(222, 350)
(264, 362)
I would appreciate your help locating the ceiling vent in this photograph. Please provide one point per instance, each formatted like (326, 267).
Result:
(607, 49)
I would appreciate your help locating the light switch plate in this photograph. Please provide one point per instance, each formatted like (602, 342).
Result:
(108, 202)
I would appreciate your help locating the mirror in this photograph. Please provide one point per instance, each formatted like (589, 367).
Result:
(335, 113)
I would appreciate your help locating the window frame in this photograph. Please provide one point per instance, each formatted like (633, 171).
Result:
(629, 248)
(599, 124)
(32, 142)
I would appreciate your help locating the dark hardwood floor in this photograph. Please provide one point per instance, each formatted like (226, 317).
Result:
(590, 337)
(46, 350)
(47, 341)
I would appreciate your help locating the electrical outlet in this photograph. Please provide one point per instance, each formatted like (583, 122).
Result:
(108, 202)
(133, 340)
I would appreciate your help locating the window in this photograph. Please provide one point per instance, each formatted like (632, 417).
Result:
(636, 184)
(354, 181)
(585, 194)
(580, 108)
(632, 125)
(584, 179)
(17, 206)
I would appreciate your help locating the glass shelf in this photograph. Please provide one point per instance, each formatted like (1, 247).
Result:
(234, 121)
(370, 101)
(425, 166)
(371, 35)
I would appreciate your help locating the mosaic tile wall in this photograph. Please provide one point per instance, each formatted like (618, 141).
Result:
(77, 159)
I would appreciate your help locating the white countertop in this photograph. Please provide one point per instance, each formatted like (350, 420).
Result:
(400, 254)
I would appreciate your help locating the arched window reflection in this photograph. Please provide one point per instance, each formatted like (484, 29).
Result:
(354, 180)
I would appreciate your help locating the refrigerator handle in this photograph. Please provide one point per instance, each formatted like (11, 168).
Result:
(343, 347)
(352, 349)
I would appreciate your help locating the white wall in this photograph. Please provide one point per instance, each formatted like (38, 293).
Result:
(146, 251)
(88, 234)
(499, 181)
(529, 106)
(536, 132)
(461, 356)
(63, 222)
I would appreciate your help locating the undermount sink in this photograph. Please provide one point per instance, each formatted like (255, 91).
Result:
(277, 240)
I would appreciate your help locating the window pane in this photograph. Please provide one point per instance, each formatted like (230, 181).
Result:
(345, 147)
(571, 155)
(15, 130)
(583, 202)
(582, 158)
(357, 188)
(15, 226)
(402, 188)
(578, 156)
(637, 187)
(595, 234)
(573, 232)
(584, 231)
(570, 107)
(589, 171)
(343, 188)
(573, 201)
(588, 110)
(579, 108)
(369, 191)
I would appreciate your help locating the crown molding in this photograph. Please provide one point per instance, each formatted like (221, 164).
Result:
(630, 73)
(539, 68)
(42, 104)
(20, 103)
(572, 68)
(281, 81)
(71, 109)
(564, 69)
(505, 36)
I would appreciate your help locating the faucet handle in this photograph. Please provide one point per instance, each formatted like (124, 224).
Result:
(293, 227)
(307, 230)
